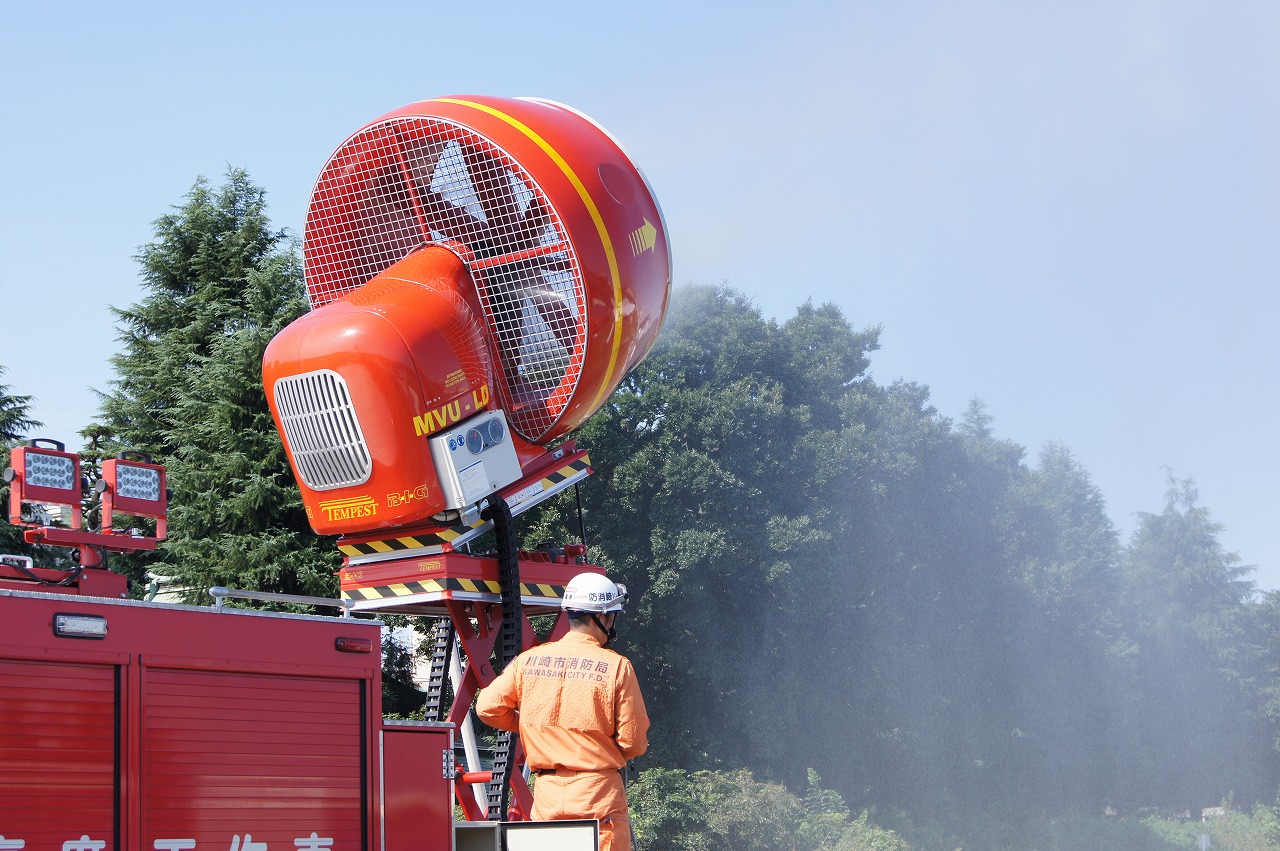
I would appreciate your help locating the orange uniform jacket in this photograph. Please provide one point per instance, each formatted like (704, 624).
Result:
(575, 705)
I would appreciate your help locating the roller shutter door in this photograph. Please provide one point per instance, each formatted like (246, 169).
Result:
(58, 724)
(230, 756)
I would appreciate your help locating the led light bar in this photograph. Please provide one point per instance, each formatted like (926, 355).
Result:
(46, 470)
(137, 482)
(135, 488)
(40, 475)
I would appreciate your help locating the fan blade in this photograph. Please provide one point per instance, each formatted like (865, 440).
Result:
(533, 224)
(558, 316)
(555, 310)
(421, 155)
(491, 181)
(388, 227)
(443, 216)
(456, 223)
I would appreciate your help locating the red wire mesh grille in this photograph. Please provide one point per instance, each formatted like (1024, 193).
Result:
(409, 182)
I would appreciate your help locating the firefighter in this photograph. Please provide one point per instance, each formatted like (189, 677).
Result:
(578, 709)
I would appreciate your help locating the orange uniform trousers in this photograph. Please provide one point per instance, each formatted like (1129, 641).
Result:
(600, 795)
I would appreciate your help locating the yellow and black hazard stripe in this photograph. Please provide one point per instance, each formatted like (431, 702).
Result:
(571, 471)
(436, 586)
(414, 542)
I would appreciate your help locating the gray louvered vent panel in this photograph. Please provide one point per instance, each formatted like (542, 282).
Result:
(322, 430)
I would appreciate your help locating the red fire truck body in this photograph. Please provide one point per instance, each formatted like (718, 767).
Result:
(129, 725)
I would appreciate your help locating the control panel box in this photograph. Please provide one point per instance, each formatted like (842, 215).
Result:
(475, 458)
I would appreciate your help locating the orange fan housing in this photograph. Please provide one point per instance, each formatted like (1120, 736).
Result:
(467, 259)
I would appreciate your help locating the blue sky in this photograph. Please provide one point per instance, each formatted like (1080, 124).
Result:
(1068, 210)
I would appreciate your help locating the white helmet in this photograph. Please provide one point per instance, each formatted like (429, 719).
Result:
(594, 593)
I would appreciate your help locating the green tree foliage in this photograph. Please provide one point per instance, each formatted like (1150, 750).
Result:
(1063, 551)
(1184, 588)
(1191, 731)
(15, 415)
(830, 574)
(400, 697)
(817, 556)
(220, 283)
(16, 423)
(1264, 632)
(1231, 831)
(676, 810)
(709, 512)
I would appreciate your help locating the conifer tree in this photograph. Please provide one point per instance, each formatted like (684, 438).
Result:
(15, 415)
(15, 422)
(1187, 599)
(220, 283)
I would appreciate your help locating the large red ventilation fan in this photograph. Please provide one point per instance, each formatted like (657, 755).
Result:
(482, 274)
